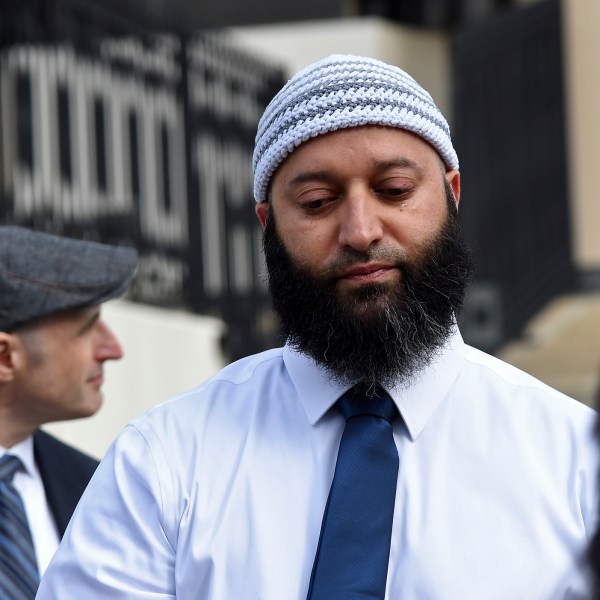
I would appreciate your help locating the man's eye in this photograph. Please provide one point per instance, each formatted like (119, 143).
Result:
(314, 204)
(397, 192)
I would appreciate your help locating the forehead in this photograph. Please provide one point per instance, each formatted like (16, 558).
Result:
(368, 145)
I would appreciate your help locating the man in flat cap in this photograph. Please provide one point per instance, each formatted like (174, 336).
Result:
(375, 455)
(53, 343)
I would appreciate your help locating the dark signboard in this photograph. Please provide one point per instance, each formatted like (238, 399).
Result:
(141, 138)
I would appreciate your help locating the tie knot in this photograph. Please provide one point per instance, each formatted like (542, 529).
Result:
(9, 465)
(362, 400)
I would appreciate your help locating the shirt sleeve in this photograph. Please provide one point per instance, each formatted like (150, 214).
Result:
(116, 545)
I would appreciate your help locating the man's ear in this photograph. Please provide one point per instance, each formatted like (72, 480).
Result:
(453, 179)
(8, 356)
(262, 209)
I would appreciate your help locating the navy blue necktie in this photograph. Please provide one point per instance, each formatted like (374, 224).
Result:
(354, 548)
(19, 577)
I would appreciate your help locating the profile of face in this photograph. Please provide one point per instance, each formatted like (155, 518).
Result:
(58, 365)
(367, 267)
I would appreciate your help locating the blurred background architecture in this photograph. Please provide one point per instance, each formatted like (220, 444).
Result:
(133, 122)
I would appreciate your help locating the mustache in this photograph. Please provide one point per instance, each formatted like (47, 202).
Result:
(348, 258)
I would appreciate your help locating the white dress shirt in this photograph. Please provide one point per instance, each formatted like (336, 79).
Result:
(28, 483)
(218, 494)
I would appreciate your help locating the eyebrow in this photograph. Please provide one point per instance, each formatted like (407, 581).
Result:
(324, 175)
(310, 176)
(398, 163)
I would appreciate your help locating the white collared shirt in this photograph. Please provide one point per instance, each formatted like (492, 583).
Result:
(28, 483)
(218, 494)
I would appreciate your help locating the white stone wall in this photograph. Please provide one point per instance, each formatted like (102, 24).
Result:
(581, 27)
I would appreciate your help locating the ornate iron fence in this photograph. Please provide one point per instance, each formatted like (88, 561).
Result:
(112, 129)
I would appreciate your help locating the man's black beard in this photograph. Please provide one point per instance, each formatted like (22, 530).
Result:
(378, 333)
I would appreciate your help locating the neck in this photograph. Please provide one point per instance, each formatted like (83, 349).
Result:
(12, 429)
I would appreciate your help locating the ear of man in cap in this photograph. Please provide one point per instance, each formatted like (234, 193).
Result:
(42, 274)
(343, 91)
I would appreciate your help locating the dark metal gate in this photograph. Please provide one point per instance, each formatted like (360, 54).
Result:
(510, 137)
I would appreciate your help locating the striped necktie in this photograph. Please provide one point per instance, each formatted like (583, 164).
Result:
(354, 548)
(19, 577)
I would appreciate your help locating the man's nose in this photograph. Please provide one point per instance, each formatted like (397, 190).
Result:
(360, 224)
(109, 347)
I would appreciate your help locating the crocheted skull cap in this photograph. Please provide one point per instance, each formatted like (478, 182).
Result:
(344, 91)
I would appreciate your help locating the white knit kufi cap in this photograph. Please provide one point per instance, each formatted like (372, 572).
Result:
(344, 91)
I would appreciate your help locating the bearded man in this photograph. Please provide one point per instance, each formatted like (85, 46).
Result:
(375, 455)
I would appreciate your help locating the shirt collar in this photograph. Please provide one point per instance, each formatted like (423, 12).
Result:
(416, 400)
(24, 451)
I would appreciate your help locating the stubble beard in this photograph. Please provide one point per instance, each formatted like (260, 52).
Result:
(379, 332)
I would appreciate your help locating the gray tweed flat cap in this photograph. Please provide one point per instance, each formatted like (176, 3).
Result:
(41, 274)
